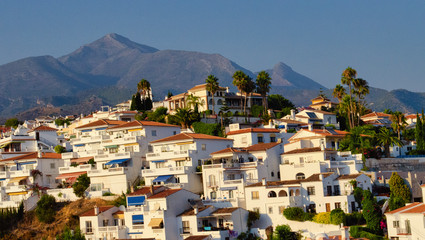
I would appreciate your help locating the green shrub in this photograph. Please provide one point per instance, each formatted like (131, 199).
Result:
(308, 216)
(59, 149)
(354, 218)
(294, 213)
(212, 129)
(337, 216)
(323, 217)
(80, 186)
(256, 110)
(121, 200)
(253, 216)
(108, 194)
(45, 209)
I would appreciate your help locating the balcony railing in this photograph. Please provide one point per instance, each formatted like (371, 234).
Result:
(404, 231)
(167, 170)
(110, 228)
(185, 230)
(118, 170)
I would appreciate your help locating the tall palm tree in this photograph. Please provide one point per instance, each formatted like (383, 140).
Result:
(248, 89)
(212, 87)
(263, 82)
(240, 80)
(144, 88)
(185, 117)
(347, 78)
(398, 122)
(385, 138)
(339, 92)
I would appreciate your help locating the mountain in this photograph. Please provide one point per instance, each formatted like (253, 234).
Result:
(284, 76)
(106, 72)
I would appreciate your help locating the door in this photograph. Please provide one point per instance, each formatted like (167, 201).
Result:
(329, 190)
(353, 206)
(328, 207)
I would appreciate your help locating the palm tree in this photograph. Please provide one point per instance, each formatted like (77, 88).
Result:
(361, 89)
(185, 117)
(212, 87)
(347, 78)
(195, 102)
(248, 88)
(339, 92)
(239, 80)
(385, 138)
(263, 82)
(398, 122)
(144, 88)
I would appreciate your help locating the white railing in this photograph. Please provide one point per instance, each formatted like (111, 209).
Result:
(138, 227)
(220, 165)
(167, 170)
(79, 168)
(4, 175)
(20, 173)
(169, 155)
(97, 172)
(110, 228)
(236, 181)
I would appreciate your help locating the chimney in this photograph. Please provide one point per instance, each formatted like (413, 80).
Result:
(96, 210)
(195, 210)
(39, 153)
(293, 114)
(345, 234)
(263, 181)
(151, 189)
(320, 176)
(131, 188)
(310, 126)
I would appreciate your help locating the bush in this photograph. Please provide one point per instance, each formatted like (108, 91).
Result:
(108, 194)
(59, 149)
(256, 110)
(121, 200)
(45, 209)
(283, 232)
(323, 217)
(80, 186)
(212, 129)
(363, 232)
(252, 217)
(67, 234)
(337, 216)
(308, 216)
(354, 218)
(294, 213)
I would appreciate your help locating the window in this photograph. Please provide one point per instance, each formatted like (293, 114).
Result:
(278, 174)
(396, 224)
(186, 227)
(213, 195)
(153, 133)
(89, 228)
(300, 176)
(272, 174)
(272, 138)
(337, 205)
(244, 140)
(231, 194)
(260, 159)
(174, 132)
(255, 195)
(336, 190)
(407, 225)
(283, 193)
(105, 222)
(52, 165)
(311, 191)
(260, 139)
(129, 149)
(113, 150)
(270, 210)
(180, 163)
(271, 194)
(256, 209)
(281, 209)
(150, 148)
(204, 147)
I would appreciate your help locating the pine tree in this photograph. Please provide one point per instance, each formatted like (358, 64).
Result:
(138, 102)
(419, 133)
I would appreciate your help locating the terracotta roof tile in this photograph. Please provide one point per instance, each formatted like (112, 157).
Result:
(90, 213)
(102, 122)
(191, 212)
(137, 123)
(225, 210)
(348, 176)
(197, 237)
(164, 193)
(229, 150)
(34, 155)
(43, 128)
(376, 114)
(144, 190)
(255, 130)
(183, 136)
(306, 150)
(409, 207)
(262, 146)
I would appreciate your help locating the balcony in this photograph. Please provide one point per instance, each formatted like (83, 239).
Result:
(122, 140)
(17, 188)
(79, 168)
(4, 174)
(109, 171)
(19, 173)
(404, 231)
(89, 139)
(235, 181)
(112, 156)
(169, 155)
(69, 155)
(111, 228)
(165, 171)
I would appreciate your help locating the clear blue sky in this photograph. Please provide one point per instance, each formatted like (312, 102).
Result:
(383, 40)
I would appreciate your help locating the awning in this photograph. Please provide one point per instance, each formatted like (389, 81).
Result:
(17, 179)
(119, 215)
(184, 143)
(137, 129)
(228, 188)
(17, 193)
(137, 200)
(156, 161)
(70, 175)
(131, 144)
(111, 146)
(138, 219)
(117, 161)
(81, 160)
(26, 163)
(98, 129)
(179, 159)
(79, 145)
(5, 145)
(2, 179)
(87, 130)
(155, 222)
(162, 178)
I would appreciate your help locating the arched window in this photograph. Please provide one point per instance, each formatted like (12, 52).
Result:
(283, 193)
(300, 176)
(272, 194)
(297, 192)
(291, 193)
(219, 102)
(210, 102)
(272, 174)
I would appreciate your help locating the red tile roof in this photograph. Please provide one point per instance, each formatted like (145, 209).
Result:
(348, 176)
(164, 193)
(229, 150)
(43, 128)
(102, 122)
(90, 213)
(312, 178)
(306, 150)
(69, 175)
(325, 132)
(34, 155)
(376, 114)
(255, 130)
(262, 146)
(198, 237)
(411, 208)
(191, 212)
(141, 124)
(189, 136)
(144, 190)
(225, 210)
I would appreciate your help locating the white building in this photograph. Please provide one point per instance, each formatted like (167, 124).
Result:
(229, 170)
(249, 136)
(318, 193)
(316, 119)
(118, 149)
(175, 159)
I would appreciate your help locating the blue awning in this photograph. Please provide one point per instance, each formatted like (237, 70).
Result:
(281, 126)
(79, 145)
(137, 200)
(98, 129)
(2, 179)
(158, 161)
(87, 130)
(26, 163)
(137, 218)
(162, 178)
(117, 161)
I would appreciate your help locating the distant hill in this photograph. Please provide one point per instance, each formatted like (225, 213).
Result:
(109, 69)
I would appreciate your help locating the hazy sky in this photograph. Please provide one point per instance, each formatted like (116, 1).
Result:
(383, 40)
